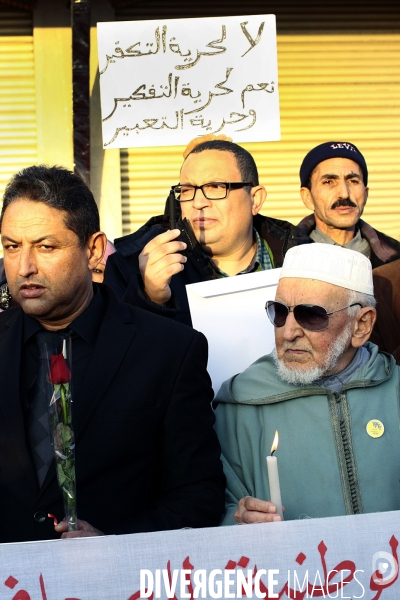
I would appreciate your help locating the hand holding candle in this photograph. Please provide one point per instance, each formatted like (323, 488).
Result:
(273, 477)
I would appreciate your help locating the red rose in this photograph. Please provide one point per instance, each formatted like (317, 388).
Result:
(59, 372)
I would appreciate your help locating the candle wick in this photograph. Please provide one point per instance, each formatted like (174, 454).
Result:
(272, 453)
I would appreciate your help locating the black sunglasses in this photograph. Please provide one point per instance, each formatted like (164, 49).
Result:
(308, 316)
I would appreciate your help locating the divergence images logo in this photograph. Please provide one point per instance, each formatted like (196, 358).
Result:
(385, 569)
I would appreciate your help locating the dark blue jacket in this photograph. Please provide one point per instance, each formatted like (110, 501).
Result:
(123, 274)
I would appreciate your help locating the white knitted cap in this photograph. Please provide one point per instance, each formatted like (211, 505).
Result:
(327, 262)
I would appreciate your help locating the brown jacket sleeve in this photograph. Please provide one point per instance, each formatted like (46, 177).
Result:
(386, 333)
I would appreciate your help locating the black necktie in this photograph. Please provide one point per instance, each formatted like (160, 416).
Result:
(40, 396)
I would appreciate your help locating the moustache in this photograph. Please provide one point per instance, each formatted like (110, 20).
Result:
(344, 202)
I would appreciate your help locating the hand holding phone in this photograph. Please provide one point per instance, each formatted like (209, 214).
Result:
(159, 261)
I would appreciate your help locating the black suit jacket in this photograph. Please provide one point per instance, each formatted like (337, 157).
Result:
(147, 457)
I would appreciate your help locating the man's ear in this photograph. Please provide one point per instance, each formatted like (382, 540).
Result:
(96, 246)
(365, 320)
(258, 195)
(306, 196)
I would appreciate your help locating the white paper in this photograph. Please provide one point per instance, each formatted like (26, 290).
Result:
(165, 82)
(231, 314)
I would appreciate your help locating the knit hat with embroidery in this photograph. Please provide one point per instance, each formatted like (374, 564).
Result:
(331, 150)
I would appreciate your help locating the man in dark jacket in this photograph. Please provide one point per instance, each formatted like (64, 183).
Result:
(147, 457)
(334, 179)
(386, 333)
(220, 233)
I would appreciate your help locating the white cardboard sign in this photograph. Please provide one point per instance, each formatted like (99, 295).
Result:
(165, 82)
(231, 314)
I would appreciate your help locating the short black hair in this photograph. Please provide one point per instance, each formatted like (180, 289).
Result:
(59, 188)
(245, 161)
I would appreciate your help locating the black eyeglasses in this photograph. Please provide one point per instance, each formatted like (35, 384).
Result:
(215, 190)
(308, 316)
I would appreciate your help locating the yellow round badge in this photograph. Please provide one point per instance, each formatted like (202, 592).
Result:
(375, 428)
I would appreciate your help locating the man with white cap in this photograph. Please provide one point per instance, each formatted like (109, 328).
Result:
(331, 395)
(334, 180)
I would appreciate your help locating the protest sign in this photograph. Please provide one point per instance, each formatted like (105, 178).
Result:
(231, 314)
(164, 82)
(340, 557)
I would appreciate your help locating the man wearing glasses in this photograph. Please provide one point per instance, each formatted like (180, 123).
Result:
(219, 233)
(330, 394)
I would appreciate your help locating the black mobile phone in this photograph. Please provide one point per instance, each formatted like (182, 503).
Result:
(172, 209)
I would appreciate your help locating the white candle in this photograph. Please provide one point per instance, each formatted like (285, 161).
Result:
(273, 478)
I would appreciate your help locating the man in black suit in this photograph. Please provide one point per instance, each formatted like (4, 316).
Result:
(147, 457)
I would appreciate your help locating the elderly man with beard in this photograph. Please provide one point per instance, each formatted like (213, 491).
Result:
(332, 396)
(334, 186)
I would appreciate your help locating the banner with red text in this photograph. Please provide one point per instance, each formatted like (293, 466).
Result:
(340, 557)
